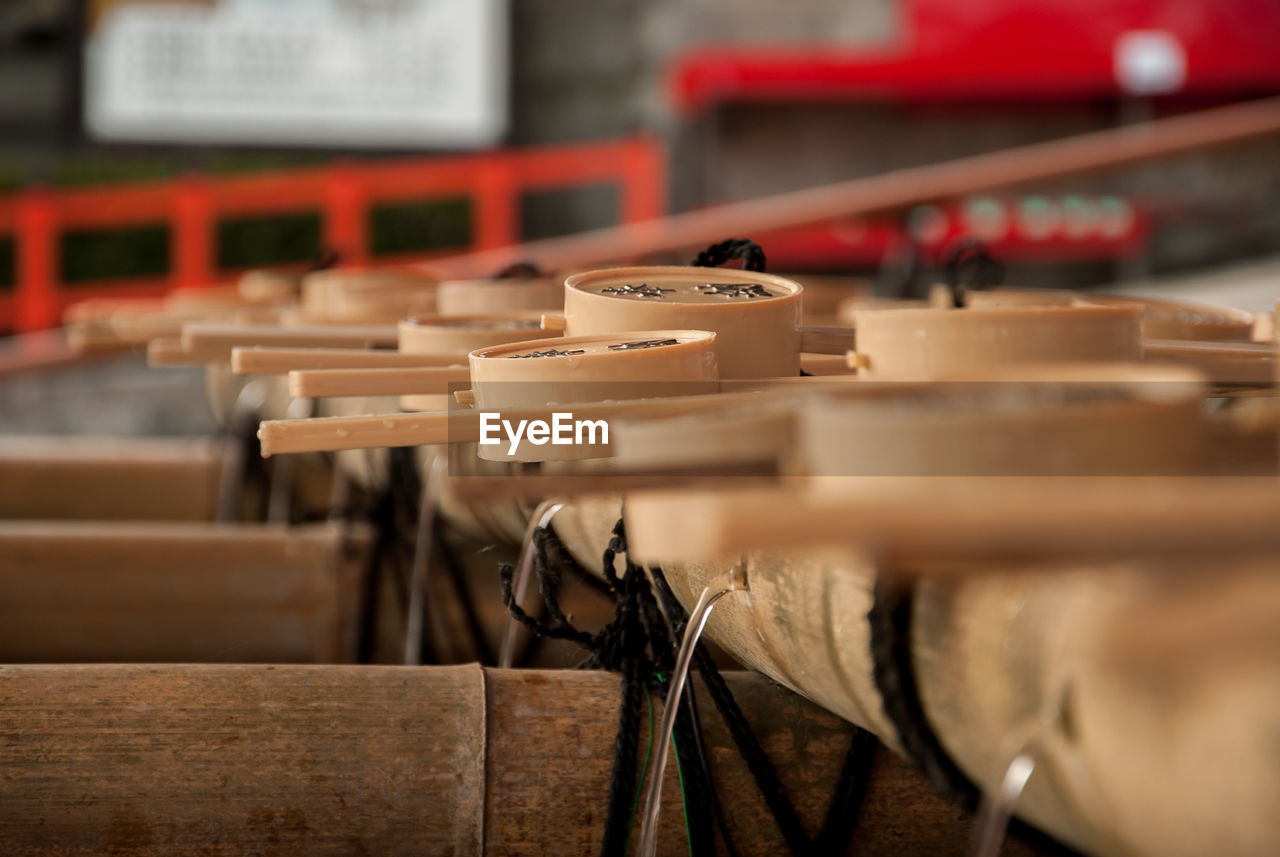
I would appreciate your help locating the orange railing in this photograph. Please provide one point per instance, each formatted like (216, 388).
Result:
(342, 192)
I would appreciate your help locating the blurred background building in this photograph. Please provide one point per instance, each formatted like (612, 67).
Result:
(742, 97)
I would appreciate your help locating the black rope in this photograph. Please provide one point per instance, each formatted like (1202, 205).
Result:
(890, 621)
(704, 766)
(851, 790)
(751, 254)
(762, 770)
(971, 267)
(519, 271)
(635, 643)
(639, 643)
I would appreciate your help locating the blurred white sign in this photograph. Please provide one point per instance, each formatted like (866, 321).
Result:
(333, 73)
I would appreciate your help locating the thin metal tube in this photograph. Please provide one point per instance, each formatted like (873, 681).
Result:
(715, 590)
(997, 808)
(541, 517)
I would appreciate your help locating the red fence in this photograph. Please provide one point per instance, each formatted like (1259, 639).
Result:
(342, 192)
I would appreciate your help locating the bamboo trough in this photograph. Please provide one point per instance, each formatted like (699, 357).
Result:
(388, 761)
(1116, 618)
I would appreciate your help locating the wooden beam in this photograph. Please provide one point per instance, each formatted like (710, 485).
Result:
(893, 191)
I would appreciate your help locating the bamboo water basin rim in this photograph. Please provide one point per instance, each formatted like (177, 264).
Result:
(951, 518)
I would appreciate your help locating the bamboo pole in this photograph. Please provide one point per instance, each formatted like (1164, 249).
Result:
(463, 426)
(214, 342)
(92, 591)
(194, 760)
(938, 518)
(1146, 751)
(393, 381)
(262, 360)
(164, 352)
(108, 478)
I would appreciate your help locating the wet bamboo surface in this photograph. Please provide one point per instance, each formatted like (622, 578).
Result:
(230, 760)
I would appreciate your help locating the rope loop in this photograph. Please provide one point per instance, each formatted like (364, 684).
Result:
(971, 267)
(751, 254)
(523, 270)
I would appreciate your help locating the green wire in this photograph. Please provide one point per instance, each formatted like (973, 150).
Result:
(684, 801)
(644, 768)
(635, 803)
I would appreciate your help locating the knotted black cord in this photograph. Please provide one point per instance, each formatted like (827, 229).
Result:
(751, 254)
(636, 644)
(971, 267)
(519, 271)
(623, 645)
(890, 620)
